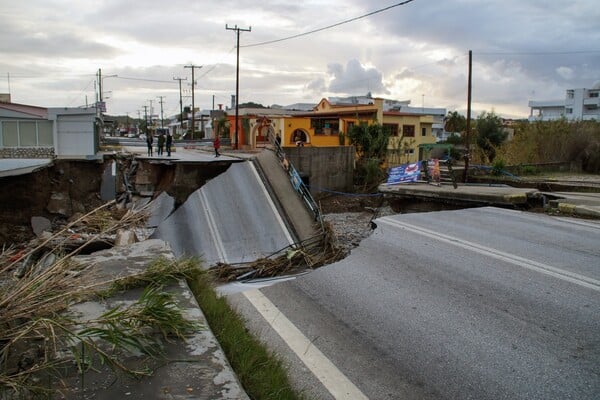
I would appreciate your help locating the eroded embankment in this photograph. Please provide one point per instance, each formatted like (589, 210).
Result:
(70, 188)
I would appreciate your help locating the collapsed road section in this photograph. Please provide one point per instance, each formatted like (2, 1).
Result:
(231, 219)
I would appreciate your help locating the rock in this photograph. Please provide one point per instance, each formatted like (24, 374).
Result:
(59, 203)
(124, 237)
(40, 225)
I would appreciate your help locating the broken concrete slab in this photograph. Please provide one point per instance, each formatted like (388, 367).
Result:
(121, 262)
(40, 225)
(124, 237)
(160, 208)
(192, 368)
(108, 187)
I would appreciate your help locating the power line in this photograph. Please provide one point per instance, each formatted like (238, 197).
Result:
(534, 53)
(143, 79)
(330, 26)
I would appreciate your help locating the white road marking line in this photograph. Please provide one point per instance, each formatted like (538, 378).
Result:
(572, 277)
(330, 376)
(212, 227)
(271, 204)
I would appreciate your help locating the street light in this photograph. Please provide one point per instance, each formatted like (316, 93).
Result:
(102, 78)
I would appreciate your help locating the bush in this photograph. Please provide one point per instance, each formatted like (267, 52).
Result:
(498, 167)
(554, 141)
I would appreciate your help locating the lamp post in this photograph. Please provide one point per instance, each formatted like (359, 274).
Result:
(101, 84)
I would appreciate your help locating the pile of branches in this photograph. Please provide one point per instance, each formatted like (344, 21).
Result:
(312, 253)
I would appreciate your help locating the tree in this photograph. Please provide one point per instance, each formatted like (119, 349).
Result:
(455, 122)
(222, 126)
(251, 104)
(371, 143)
(490, 134)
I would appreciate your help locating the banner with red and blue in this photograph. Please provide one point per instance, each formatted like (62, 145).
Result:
(404, 173)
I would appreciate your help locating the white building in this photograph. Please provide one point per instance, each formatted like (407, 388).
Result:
(579, 104)
(37, 132)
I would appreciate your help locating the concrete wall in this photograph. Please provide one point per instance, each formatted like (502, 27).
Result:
(330, 168)
(27, 152)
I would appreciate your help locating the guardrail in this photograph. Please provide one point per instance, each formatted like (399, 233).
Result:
(296, 181)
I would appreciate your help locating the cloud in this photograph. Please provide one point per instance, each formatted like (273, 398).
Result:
(565, 72)
(522, 50)
(354, 79)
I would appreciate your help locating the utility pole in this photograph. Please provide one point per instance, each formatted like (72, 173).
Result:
(100, 84)
(161, 111)
(237, 77)
(146, 118)
(180, 101)
(193, 67)
(468, 133)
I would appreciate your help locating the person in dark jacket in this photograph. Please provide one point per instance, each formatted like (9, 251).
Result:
(149, 141)
(161, 144)
(168, 143)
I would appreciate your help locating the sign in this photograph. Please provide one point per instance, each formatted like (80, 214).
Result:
(404, 173)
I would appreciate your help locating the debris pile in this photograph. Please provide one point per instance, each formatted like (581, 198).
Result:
(309, 254)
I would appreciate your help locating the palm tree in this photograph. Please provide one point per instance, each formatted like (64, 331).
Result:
(222, 127)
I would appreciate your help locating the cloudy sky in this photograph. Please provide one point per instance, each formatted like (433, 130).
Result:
(51, 50)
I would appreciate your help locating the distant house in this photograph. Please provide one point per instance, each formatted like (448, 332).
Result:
(36, 132)
(331, 119)
(578, 104)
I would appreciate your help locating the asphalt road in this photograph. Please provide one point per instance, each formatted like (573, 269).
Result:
(230, 219)
(471, 304)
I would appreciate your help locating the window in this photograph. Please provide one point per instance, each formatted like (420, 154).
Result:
(26, 134)
(593, 94)
(423, 131)
(392, 129)
(10, 134)
(409, 151)
(569, 111)
(570, 94)
(325, 126)
(408, 130)
(45, 135)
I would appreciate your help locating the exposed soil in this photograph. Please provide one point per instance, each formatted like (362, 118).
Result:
(29, 195)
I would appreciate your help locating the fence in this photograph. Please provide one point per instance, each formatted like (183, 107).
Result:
(296, 181)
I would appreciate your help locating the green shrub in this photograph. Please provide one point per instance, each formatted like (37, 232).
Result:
(498, 167)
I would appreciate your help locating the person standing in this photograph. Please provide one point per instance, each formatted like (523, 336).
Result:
(217, 145)
(161, 144)
(168, 143)
(149, 141)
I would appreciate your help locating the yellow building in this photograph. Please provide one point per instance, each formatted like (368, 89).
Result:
(329, 122)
